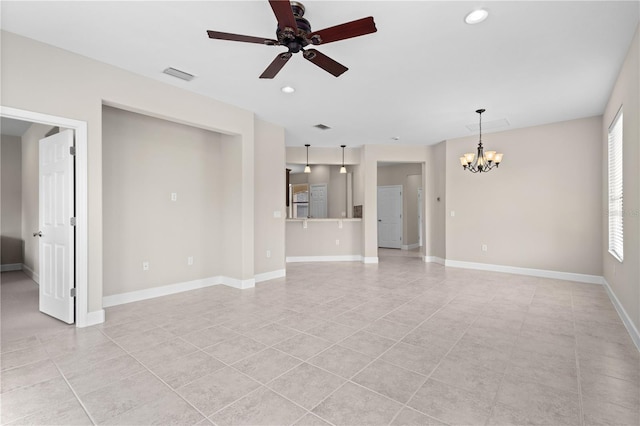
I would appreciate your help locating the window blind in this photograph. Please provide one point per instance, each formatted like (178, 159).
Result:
(616, 188)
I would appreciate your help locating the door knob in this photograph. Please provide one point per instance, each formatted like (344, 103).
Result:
(37, 234)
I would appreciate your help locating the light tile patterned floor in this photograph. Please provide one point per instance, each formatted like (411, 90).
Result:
(401, 343)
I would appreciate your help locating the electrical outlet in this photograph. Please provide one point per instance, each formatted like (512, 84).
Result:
(484, 247)
(145, 266)
(190, 260)
(268, 254)
(453, 213)
(174, 196)
(337, 242)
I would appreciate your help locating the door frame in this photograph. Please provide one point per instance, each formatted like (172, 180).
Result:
(81, 195)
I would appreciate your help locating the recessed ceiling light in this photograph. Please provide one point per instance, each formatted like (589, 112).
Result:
(288, 89)
(476, 16)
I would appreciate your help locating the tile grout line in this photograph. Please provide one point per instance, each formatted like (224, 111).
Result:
(156, 376)
(436, 367)
(578, 375)
(495, 399)
(388, 349)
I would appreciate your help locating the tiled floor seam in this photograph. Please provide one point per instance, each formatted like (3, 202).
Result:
(388, 349)
(157, 377)
(578, 373)
(75, 394)
(495, 398)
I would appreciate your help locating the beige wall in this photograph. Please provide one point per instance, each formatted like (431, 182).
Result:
(540, 209)
(146, 159)
(319, 238)
(434, 199)
(270, 181)
(409, 175)
(11, 203)
(76, 87)
(624, 277)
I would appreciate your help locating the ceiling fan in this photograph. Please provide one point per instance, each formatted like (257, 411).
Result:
(294, 32)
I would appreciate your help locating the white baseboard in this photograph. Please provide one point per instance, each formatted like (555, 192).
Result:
(11, 267)
(567, 276)
(410, 246)
(240, 284)
(150, 293)
(626, 319)
(31, 274)
(266, 276)
(434, 259)
(371, 259)
(343, 258)
(92, 318)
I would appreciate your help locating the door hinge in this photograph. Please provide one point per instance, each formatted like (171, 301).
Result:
(73, 221)
(72, 150)
(72, 293)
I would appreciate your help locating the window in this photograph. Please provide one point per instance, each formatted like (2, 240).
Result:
(615, 188)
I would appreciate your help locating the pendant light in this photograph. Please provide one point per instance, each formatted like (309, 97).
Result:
(343, 169)
(307, 169)
(485, 161)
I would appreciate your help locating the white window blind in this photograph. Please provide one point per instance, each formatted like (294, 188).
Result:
(615, 188)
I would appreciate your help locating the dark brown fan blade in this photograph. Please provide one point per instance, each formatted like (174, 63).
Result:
(237, 37)
(343, 31)
(277, 64)
(284, 14)
(324, 62)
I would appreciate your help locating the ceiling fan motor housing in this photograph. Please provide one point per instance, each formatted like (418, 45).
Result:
(287, 36)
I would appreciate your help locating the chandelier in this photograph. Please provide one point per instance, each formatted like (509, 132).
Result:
(485, 161)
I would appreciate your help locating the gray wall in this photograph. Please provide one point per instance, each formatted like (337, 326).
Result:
(11, 203)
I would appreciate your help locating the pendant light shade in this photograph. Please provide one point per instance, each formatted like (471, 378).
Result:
(343, 169)
(307, 169)
(485, 161)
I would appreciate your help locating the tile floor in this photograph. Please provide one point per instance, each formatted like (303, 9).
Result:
(399, 343)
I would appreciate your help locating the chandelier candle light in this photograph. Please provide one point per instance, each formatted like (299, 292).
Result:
(485, 161)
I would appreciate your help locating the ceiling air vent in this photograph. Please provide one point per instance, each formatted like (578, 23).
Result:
(179, 74)
(322, 127)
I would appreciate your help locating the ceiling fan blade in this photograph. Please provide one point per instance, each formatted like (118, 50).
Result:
(284, 14)
(277, 64)
(343, 31)
(237, 37)
(324, 62)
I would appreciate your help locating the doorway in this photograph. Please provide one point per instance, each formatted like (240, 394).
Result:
(78, 262)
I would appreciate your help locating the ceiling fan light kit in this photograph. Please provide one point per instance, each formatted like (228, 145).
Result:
(485, 161)
(294, 33)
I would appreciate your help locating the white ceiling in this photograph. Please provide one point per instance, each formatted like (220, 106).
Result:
(420, 77)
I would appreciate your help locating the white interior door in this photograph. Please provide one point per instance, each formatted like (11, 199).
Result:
(318, 196)
(56, 233)
(390, 216)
